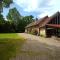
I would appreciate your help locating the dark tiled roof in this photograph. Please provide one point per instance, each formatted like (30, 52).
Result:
(37, 22)
(43, 21)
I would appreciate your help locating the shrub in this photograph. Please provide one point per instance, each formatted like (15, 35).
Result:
(34, 32)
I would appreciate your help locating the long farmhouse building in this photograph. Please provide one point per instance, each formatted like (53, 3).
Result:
(47, 26)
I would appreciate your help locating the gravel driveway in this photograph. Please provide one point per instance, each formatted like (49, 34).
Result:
(38, 48)
(49, 41)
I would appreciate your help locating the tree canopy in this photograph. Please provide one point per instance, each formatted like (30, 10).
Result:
(22, 23)
(15, 22)
(19, 21)
(1, 19)
(13, 15)
(5, 3)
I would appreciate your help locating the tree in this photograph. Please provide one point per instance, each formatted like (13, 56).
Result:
(24, 22)
(19, 21)
(14, 16)
(5, 3)
(1, 19)
(28, 19)
(8, 27)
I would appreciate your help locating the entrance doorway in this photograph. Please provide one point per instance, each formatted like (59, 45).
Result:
(50, 32)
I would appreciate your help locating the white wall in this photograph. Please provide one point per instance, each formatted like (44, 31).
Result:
(43, 32)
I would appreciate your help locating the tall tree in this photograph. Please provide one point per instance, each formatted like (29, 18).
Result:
(19, 21)
(14, 16)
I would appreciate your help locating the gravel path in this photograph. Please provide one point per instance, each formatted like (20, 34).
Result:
(49, 41)
(38, 48)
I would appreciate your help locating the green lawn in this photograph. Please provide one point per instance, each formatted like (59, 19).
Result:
(9, 45)
(9, 35)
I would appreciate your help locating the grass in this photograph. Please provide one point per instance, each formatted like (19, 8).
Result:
(9, 45)
(9, 35)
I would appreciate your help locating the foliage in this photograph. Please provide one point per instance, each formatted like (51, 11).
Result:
(28, 19)
(22, 23)
(13, 15)
(34, 32)
(1, 19)
(7, 27)
(5, 3)
(19, 21)
(15, 22)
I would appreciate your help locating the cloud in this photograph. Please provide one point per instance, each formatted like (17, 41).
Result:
(31, 5)
(27, 5)
(42, 7)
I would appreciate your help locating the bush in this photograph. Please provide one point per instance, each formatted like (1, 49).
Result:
(34, 32)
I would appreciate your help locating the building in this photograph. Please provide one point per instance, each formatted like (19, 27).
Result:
(46, 26)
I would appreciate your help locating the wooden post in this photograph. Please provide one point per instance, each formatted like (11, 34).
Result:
(39, 32)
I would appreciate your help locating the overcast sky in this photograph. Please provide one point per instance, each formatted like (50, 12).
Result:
(37, 8)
